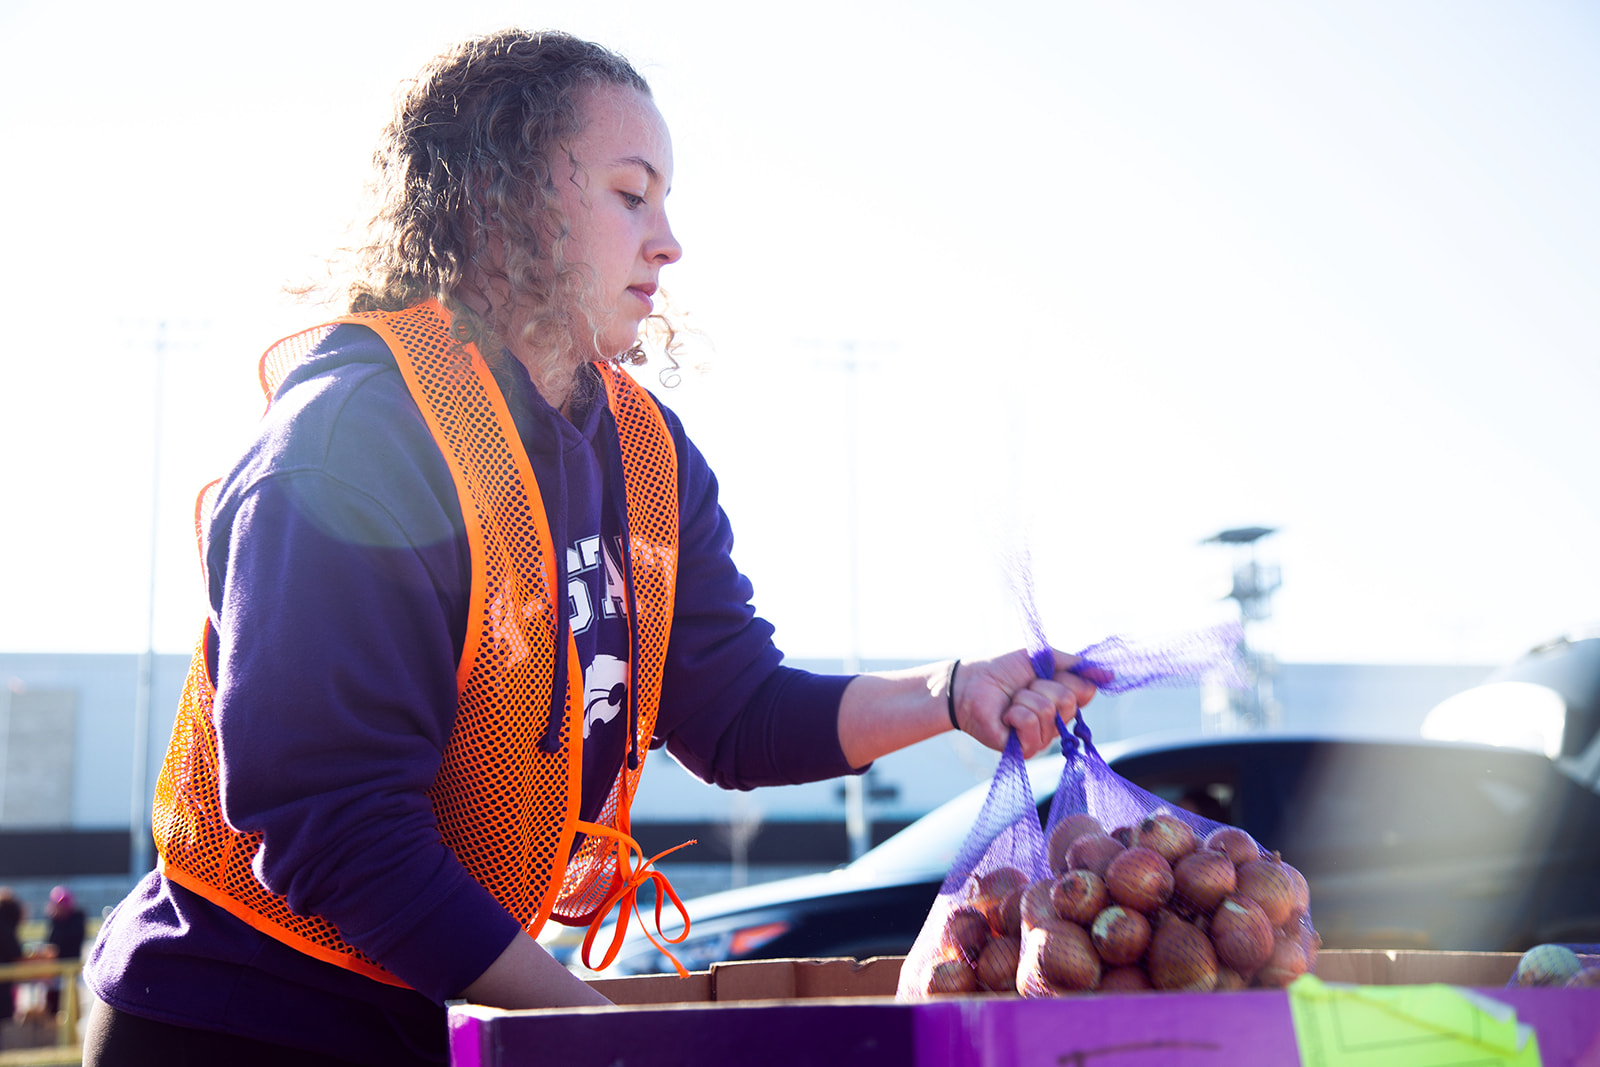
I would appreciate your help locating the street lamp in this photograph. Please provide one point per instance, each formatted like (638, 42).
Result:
(857, 816)
(1254, 582)
(140, 844)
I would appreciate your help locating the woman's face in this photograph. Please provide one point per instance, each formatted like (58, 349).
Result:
(615, 199)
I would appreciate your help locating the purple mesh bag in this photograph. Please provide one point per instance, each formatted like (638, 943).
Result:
(1119, 664)
(997, 924)
(1164, 897)
(972, 936)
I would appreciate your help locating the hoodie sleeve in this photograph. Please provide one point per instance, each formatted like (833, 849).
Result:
(730, 712)
(342, 569)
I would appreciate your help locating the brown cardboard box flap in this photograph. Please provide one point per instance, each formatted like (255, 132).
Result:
(656, 988)
(804, 979)
(1413, 967)
(807, 978)
(800, 979)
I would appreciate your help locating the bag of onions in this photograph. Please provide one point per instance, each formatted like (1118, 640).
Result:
(1145, 895)
(1121, 891)
(972, 937)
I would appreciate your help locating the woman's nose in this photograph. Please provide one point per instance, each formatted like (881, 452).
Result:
(664, 247)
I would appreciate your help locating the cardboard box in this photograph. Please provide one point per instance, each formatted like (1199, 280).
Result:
(840, 1013)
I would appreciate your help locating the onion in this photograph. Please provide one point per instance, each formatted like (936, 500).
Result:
(1010, 913)
(1140, 878)
(1129, 979)
(1287, 962)
(1120, 935)
(1239, 846)
(1092, 852)
(1302, 891)
(1166, 834)
(1200, 881)
(1267, 883)
(1311, 941)
(992, 889)
(967, 930)
(1588, 978)
(1123, 836)
(1242, 934)
(1180, 956)
(1060, 952)
(1038, 904)
(1229, 980)
(952, 976)
(1080, 896)
(1065, 832)
(997, 967)
(999, 881)
(1546, 965)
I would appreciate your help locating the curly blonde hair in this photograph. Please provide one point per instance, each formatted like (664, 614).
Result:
(466, 187)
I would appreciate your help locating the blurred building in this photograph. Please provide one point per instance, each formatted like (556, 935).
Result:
(66, 774)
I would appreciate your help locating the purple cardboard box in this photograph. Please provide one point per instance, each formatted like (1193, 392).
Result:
(838, 1013)
(789, 1034)
(1255, 1031)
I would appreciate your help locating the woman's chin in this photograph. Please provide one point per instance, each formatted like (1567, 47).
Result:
(615, 350)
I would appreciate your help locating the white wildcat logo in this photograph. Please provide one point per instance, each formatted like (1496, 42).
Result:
(605, 691)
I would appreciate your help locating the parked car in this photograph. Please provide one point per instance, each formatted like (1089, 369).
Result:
(1405, 844)
(1415, 844)
(1546, 701)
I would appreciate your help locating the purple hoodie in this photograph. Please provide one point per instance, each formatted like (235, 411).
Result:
(339, 576)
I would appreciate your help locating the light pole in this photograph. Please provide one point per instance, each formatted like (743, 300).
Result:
(857, 820)
(139, 835)
(1254, 582)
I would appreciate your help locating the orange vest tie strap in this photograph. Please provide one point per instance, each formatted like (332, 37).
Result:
(626, 894)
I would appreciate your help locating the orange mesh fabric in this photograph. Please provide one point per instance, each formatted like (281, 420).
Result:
(280, 359)
(650, 471)
(506, 805)
(201, 852)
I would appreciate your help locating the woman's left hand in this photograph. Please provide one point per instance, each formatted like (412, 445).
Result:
(995, 696)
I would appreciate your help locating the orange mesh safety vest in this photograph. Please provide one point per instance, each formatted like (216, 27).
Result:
(506, 796)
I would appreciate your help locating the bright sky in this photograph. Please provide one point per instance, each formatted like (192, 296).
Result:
(1115, 277)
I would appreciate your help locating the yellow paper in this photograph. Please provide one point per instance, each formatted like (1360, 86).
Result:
(1406, 1026)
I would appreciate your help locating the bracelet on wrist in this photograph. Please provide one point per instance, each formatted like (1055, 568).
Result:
(950, 693)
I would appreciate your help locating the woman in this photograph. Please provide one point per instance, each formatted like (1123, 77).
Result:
(64, 937)
(467, 577)
(11, 915)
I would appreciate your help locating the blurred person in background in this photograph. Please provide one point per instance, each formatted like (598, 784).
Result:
(468, 576)
(64, 937)
(11, 915)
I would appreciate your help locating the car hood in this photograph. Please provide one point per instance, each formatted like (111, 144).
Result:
(923, 852)
(804, 887)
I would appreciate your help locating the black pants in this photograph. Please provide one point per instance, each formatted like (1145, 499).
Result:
(117, 1039)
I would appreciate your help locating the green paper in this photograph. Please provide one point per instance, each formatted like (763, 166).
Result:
(1406, 1026)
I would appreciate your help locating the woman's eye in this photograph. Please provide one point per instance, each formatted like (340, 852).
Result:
(632, 200)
